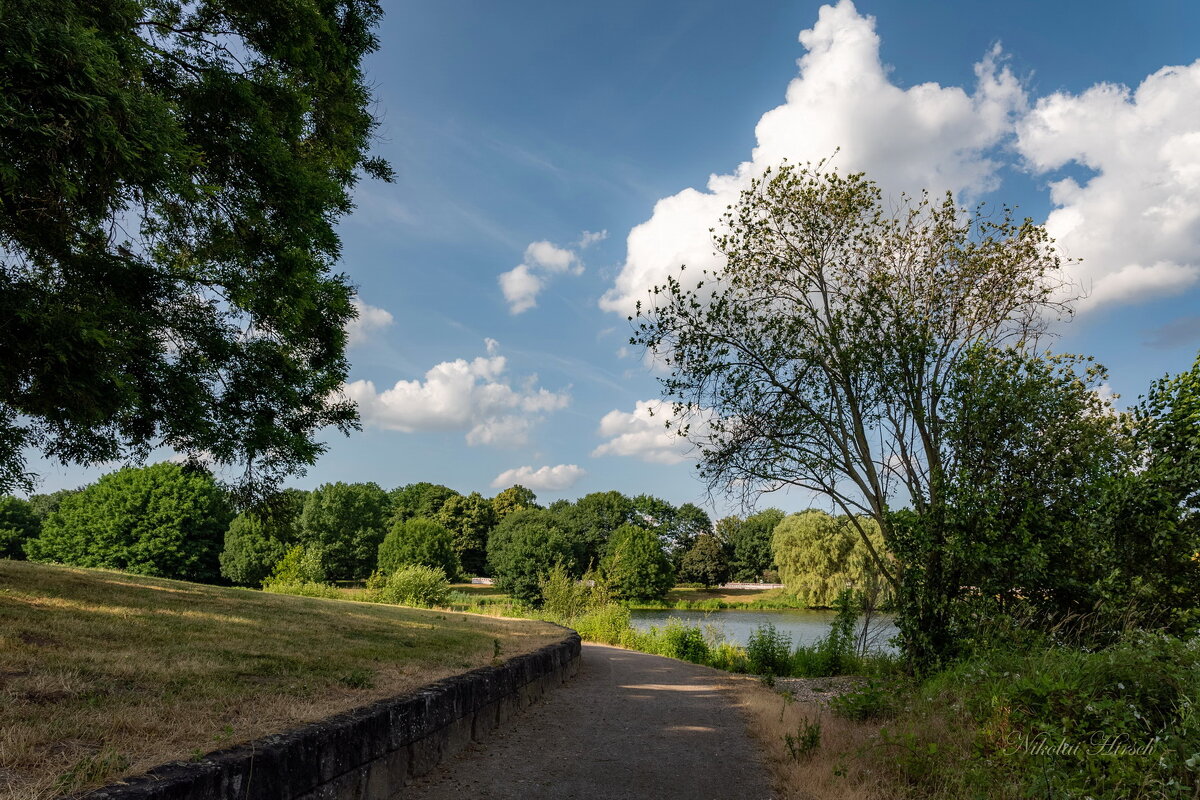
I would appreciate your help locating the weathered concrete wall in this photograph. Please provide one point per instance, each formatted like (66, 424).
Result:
(368, 753)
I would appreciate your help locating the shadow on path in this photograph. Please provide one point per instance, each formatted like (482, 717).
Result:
(628, 725)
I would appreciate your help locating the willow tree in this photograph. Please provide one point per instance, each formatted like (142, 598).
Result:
(819, 353)
(171, 175)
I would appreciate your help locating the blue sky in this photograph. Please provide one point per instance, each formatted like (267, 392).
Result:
(522, 131)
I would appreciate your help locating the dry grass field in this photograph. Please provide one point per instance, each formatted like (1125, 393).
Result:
(104, 674)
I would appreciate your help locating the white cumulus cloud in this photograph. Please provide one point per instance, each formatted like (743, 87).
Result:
(472, 396)
(924, 137)
(1135, 222)
(522, 284)
(369, 319)
(644, 434)
(553, 479)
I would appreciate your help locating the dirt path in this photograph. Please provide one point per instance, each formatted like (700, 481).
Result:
(629, 725)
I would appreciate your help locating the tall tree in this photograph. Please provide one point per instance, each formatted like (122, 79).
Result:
(514, 498)
(164, 519)
(750, 544)
(636, 566)
(421, 499)
(524, 548)
(347, 522)
(707, 563)
(470, 519)
(260, 537)
(171, 174)
(818, 356)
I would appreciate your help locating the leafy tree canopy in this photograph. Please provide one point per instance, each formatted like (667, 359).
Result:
(418, 541)
(165, 519)
(346, 521)
(421, 499)
(171, 174)
(636, 567)
(18, 523)
(591, 520)
(258, 538)
(523, 549)
(470, 519)
(749, 541)
(513, 499)
(820, 556)
(706, 563)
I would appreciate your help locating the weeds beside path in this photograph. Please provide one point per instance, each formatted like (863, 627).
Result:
(628, 725)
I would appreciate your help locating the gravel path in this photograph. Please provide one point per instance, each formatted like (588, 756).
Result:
(628, 725)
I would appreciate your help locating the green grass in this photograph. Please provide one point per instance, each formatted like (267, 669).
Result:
(104, 674)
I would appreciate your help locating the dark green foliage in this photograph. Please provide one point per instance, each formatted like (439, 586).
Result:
(166, 520)
(514, 498)
(678, 528)
(1081, 709)
(301, 565)
(635, 567)
(418, 541)
(769, 651)
(835, 653)
(1152, 511)
(871, 700)
(470, 519)
(416, 585)
(1029, 447)
(750, 544)
(346, 521)
(258, 539)
(591, 520)
(43, 505)
(170, 179)
(524, 548)
(706, 563)
(18, 524)
(678, 640)
(420, 499)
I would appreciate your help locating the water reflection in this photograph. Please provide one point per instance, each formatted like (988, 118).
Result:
(804, 627)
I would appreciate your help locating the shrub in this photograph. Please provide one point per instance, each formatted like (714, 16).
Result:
(608, 624)
(677, 640)
(768, 651)
(301, 564)
(167, 520)
(416, 585)
(418, 541)
(729, 657)
(869, 701)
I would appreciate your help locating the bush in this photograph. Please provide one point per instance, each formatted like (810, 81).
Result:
(869, 701)
(418, 541)
(729, 657)
(166, 520)
(768, 651)
(301, 564)
(608, 624)
(677, 640)
(416, 585)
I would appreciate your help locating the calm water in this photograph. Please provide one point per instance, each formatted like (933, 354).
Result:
(804, 627)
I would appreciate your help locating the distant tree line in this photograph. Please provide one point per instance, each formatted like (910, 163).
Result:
(175, 521)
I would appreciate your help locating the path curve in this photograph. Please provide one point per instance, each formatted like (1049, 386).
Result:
(628, 725)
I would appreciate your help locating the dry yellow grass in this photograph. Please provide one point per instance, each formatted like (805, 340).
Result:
(852, 761)
(104, 674)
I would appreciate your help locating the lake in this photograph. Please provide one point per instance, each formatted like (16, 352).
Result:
(803, 626)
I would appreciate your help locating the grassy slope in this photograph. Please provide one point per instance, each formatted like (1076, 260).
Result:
(104, 674)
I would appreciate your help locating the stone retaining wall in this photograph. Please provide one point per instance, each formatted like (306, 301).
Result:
(368, 753)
